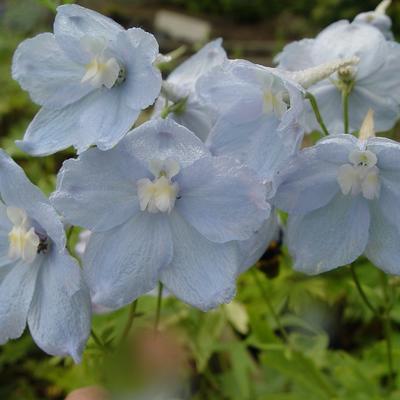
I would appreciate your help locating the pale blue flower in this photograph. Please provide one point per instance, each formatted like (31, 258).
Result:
(260, 115)
(91, 77)
(342, 196)
(40, 283)
(180, 86)
(374, 82)
(161, 208)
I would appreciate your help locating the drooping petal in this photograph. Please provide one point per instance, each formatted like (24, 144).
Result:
(201, 273)
(124, 263)
(222, 199)
(76, 21)
(60, 313)
(383, 246)
(252, 249)
(17, 285)
(17, 191)
(162, 139)
(98, 190)
(80, 124)
(330, 236)
(50, 77)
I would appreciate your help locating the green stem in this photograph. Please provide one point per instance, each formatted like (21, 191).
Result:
(345, 103)
(158, 311)
(318, 116)
(361, 291)
(270, 306)
(387, 325)
(129, 322)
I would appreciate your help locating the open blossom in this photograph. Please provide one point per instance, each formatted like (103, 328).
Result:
(161, 208)
(40, 283)
(180, 89)
(260, 122)
(373, 83)
(342, 197)
(91, 77)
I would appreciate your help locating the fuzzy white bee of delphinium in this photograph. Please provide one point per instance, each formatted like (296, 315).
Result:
(91, 77)
(342, 197)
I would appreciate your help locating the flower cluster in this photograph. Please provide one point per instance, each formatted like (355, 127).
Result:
(190, 198)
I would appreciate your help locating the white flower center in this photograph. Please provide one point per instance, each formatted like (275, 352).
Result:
(23, 241)
(159, 194)
(361, 176)
(102, 70)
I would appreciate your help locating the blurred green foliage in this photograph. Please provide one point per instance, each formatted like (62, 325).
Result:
(335, 346)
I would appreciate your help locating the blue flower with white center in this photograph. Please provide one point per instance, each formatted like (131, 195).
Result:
(261, 112)
(373, 83)
(342, 197)
(40, 283)
(180, 90)
(91, 77)
(161, 208)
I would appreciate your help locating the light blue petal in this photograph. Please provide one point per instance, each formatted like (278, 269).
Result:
(254, 140)
(44, 70)
(162, 139)
(17, 191)
(5, 228)
(388, 153)
(122, 264)
(222, 199)
(296, 55)
(17, 285)
(60, 313)
(330, 236)
(101, 118)
(252, 249)
(187, 73)
(383, 247)
(201, 273)
(306, 183)
(76, 21)
(137, 50)
(98, 190)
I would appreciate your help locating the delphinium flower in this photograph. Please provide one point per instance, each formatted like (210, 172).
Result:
(345, 97)
(378, 19)
(91, 77)
(342, 197)
(260, 115)
(40, 283)
(161, 208)
(179, 95)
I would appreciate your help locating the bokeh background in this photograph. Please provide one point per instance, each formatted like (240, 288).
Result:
(326, 345)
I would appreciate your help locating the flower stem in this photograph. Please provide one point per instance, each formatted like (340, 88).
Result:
(158, 310)
(270, 306)
(345, 103)
(129, 322)
(318, 116)
(387, 325)
(361, 290)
